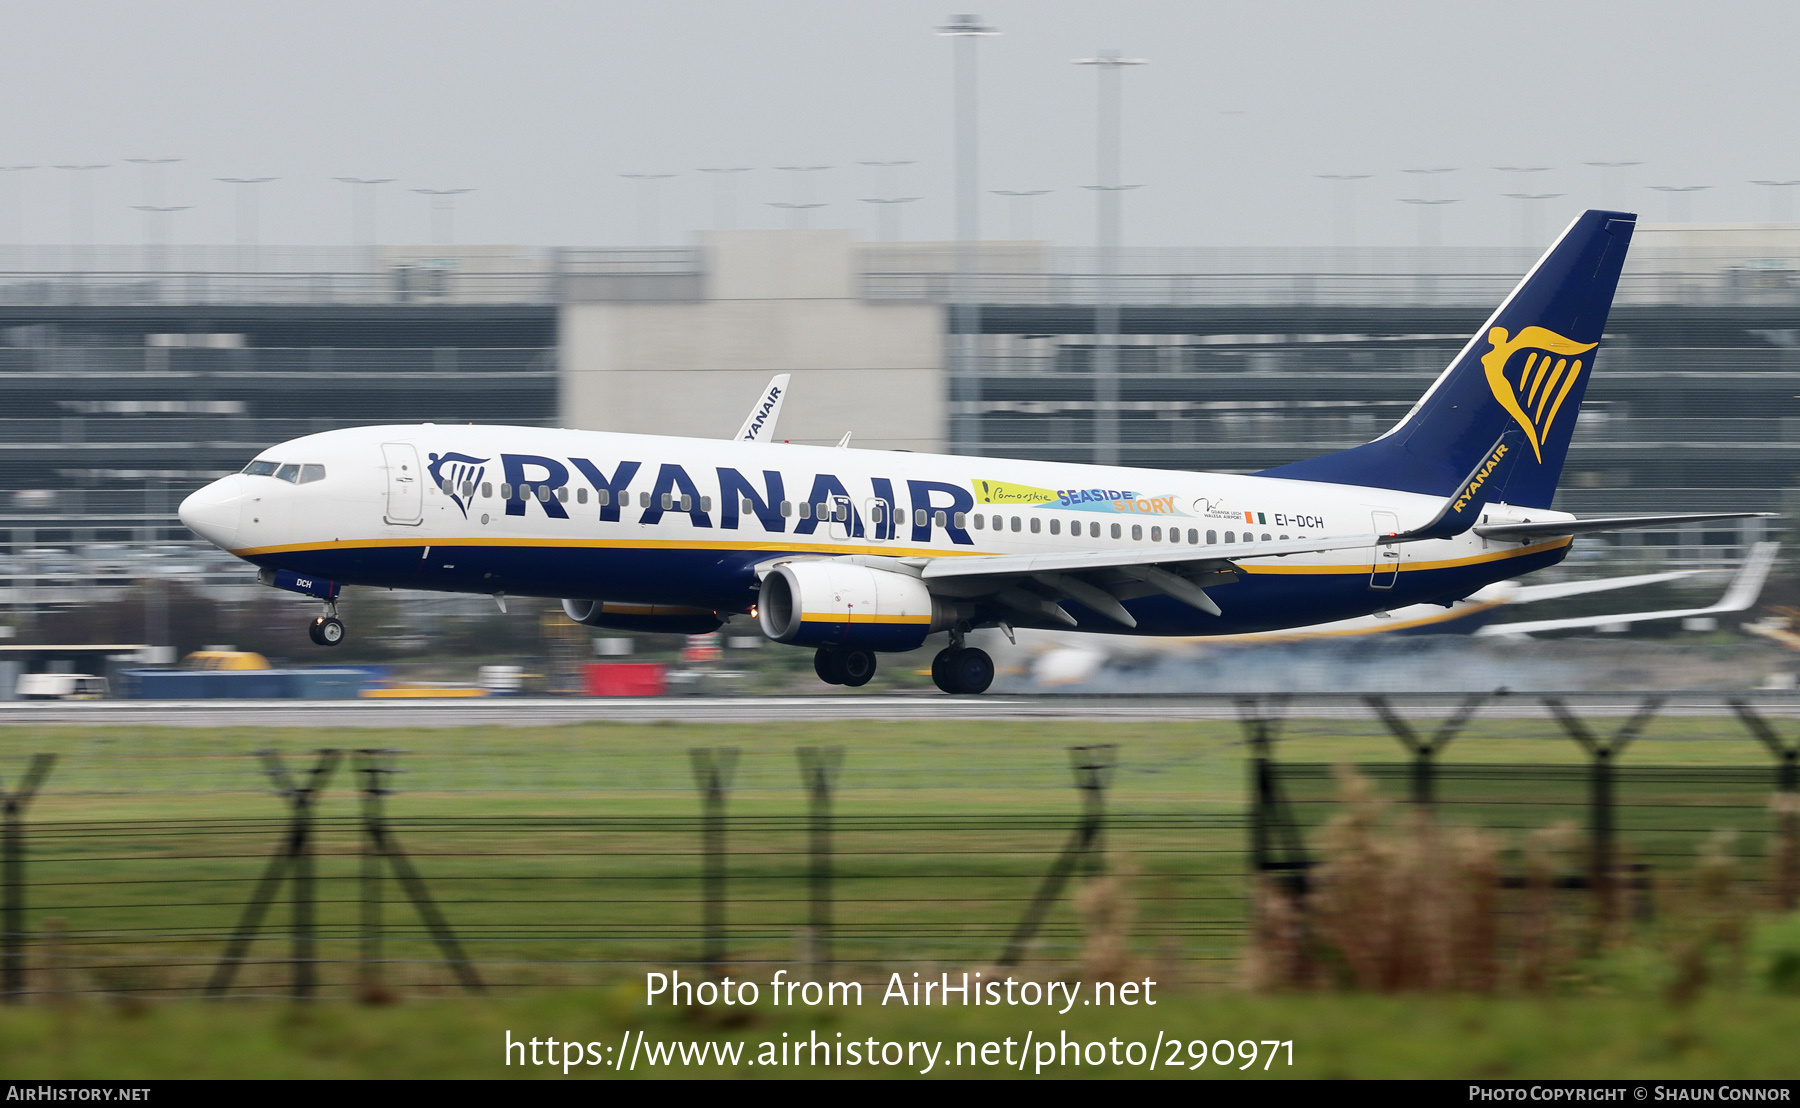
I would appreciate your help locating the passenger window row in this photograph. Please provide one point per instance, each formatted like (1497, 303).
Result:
(1117, 530)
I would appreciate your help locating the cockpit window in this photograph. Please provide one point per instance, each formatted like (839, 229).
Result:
(289, 472)
(311, 473)
(261, 469)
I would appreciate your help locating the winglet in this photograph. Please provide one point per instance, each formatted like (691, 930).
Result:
(759, 425)
(1463, 507)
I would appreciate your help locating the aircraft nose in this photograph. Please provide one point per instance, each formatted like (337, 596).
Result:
(212, 512)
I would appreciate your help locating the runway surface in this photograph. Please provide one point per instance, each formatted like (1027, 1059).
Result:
(531, 712)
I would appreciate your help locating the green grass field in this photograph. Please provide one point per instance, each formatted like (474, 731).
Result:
(569, 857)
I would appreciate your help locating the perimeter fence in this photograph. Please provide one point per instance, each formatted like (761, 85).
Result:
(372, 895)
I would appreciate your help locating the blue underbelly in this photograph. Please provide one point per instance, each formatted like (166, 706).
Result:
(725, 580)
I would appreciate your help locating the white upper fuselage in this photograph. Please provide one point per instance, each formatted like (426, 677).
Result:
(565, 513)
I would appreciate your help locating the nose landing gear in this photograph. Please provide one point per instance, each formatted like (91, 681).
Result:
(328, 629)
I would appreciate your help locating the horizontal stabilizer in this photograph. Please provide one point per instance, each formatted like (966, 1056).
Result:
(1741, 594)
(1527, 531)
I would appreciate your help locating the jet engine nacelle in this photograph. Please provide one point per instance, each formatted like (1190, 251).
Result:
(831, 603)
(666, 619)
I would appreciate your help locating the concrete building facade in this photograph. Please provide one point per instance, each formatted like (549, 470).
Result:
(768, 302)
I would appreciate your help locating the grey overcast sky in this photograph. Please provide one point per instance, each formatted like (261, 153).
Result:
(539, 106)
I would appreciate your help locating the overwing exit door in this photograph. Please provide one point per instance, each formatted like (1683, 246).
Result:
(405, 490)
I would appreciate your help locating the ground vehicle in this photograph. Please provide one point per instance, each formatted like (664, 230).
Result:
(60, 686)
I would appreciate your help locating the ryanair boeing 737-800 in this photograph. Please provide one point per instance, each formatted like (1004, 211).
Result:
(854, 552)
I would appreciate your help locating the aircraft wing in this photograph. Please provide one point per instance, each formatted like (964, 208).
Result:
(1525, 532)
(1035, 584)
(1739, 595)
(759, 425)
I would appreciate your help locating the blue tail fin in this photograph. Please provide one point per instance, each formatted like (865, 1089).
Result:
(1528, 367)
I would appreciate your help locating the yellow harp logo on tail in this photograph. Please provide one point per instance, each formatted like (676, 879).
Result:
(1534, 387)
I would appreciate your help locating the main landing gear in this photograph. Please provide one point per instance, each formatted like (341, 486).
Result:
(328, 629)
(960, 669)
(853, 668)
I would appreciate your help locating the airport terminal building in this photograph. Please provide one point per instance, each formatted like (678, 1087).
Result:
(128, 380)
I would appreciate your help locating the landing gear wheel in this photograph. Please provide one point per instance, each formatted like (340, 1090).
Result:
(829, 665)
(971, 670)
(326, 630)
(857, 666)
(962, 672)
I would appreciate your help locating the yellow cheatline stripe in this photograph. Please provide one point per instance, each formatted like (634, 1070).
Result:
(819, 548)
(815, 547)
(853, 617)
(1494, 556)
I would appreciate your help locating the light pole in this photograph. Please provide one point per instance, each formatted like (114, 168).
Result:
(1109, 232)
(81, 212)
(888, 198)
(1606, 172)
(1018, 212)
(443, 213)
(649, 207)
(1429, 230)
(801, 207)
(156, 233)
(15, 203)
(965, 312)
(362, 207)
(249, 217)
(724, 195)
(887, 215)
(1781, 201)
(1343, 231)
(799, 216)
(1680, 200)
(1528, 222)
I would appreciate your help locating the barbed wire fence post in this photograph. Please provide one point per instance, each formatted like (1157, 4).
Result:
(293, 856)
(1787, 804)
(380, 845)
(1423, 750)
(12, 876)
(819, 766)
(1603, 761)
(1093, 766)
(713, 767)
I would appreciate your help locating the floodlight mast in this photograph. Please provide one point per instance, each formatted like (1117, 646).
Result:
(1781, 200)
(443, 213)
(1109, 233)
(362, 207)
(1018, 221)
(724, 194)
(81, 211)
(965, 313)
(249, 217)
(1680, 200)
